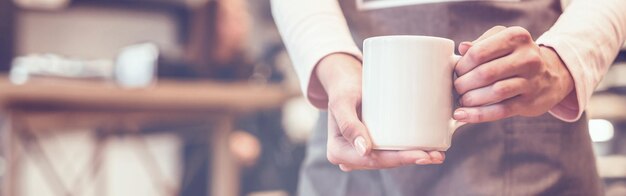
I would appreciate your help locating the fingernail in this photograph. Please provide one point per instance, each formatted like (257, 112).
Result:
(469, 44)
(460, 115)
(423, 161)
(359, 144)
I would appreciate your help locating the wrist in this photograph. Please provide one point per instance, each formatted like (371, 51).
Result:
(338, 68)
(554, 61)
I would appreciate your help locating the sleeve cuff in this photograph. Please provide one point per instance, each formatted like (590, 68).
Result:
(570, 109)
(312, 30)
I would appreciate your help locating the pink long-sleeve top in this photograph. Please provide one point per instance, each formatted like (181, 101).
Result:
(587, 37)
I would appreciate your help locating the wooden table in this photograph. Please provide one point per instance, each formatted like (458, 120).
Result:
(607, 106)
(44, 103)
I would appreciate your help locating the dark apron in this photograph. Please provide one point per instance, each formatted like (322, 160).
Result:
(514, 156)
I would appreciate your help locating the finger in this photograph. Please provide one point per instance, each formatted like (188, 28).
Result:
(341, 152)
(350, 126)
(381, 159)
(501, 90)
(521, 63)
(482, 52)
(437, 157)
(464, 46)
(490, 72)
(344, 168)
(337, 147)
(487, 113)
(498, 45)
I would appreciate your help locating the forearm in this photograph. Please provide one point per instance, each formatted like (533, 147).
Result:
(311, 30)
(587, 37)
(327, 74)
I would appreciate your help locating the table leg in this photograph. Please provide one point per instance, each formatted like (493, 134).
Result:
(12, 155)
(224, 168)
(100, 184)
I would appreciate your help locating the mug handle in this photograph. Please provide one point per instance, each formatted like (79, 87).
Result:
(455, 124)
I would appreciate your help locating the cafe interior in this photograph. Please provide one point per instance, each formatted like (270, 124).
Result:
(178, 97)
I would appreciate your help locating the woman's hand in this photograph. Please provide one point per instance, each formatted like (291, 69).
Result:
(504, 73)
(349, 144)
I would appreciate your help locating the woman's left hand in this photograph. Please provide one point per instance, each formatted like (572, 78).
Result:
(505, 73)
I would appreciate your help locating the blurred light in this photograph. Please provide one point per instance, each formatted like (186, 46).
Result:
(245, 147)
(299, 119)
(600, 130)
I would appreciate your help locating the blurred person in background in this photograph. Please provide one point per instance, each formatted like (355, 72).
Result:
(237, 40)
(218, 40)
(276, 168)
(540, 60)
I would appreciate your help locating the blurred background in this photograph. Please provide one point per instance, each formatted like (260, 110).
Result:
(187, 42)
(71, 71)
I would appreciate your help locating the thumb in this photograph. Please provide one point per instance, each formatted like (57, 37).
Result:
(350, 126)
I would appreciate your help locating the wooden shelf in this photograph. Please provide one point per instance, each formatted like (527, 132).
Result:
(166, 96)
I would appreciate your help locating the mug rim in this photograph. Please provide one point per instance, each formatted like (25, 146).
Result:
(410, 37)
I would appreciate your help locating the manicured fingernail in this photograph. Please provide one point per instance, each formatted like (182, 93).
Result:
(460, 115)
(423, 161)
(359, 144)
(469, 44)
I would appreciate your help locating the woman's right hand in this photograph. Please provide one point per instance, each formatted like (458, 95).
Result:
(349, 144)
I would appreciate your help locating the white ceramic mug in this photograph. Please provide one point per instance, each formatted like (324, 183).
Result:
(407, 92)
